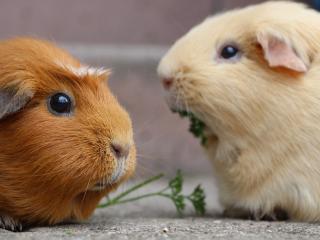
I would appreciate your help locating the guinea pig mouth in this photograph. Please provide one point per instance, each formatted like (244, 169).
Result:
(114, 178)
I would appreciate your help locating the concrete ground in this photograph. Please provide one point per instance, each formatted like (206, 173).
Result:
(155, 218)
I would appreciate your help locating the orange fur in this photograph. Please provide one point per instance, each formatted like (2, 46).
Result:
(48, 163)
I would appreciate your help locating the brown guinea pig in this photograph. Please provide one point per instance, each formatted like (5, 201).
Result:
(252, 75)
(65, 142)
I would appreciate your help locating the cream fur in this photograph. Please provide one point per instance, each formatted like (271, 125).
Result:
(263, 122)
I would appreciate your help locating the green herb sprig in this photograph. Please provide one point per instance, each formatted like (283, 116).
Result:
(173, 192)
(196, 126)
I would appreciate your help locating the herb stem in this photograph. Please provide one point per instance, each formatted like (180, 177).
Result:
(110, 203)
(135, 187)
(172, 191)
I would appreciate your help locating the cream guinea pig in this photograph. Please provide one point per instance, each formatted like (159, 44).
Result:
(65, 142)
(252, 75)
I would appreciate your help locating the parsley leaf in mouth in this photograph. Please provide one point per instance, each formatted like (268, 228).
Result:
(196, 125)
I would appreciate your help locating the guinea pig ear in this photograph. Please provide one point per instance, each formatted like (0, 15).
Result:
(279, 52)
(12, 100)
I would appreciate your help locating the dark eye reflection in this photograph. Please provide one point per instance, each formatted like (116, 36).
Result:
(60, 104)
(229, 51)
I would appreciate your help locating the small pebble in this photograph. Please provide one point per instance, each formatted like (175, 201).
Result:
(165, 230)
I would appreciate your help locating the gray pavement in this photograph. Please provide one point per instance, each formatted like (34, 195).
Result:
(167, 228)
(155, 218)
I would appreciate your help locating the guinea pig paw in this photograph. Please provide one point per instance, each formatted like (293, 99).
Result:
(278, 214)
(11, 224)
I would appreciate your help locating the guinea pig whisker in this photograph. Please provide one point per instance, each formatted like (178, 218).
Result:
(165, 161)
(146, 125)
(185, 102)
(142, 171)
(145, 168)
(152, 157)
(86, 190)
(152, 140)
(178, 97)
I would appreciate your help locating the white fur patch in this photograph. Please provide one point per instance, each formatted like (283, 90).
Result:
(83, 71)
(119, 171)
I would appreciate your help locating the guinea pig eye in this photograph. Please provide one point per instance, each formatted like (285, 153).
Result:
(229, 51)
(60, 104)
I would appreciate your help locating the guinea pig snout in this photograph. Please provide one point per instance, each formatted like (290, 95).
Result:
(120, 151)
(167, 83)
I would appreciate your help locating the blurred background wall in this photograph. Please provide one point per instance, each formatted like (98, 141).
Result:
(108, 21)
(129, 36)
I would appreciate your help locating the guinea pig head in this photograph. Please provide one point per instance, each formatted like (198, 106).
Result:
(238, 70)
(65, 141)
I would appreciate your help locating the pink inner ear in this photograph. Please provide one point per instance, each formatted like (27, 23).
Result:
(278, 53)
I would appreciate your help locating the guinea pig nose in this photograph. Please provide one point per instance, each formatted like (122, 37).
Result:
(167, 83)
(120, 150)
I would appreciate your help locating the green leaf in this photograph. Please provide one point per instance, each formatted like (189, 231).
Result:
(196, 125)
(183, 113)
(198, 200)
(176, 183)
(172, 192)
(179, 202)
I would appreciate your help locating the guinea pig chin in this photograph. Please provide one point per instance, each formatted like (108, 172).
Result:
(117, 174)
(172, 101)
